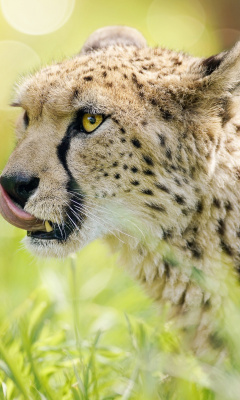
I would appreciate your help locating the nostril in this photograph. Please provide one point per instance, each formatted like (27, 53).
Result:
(19, 187)
(25, 189)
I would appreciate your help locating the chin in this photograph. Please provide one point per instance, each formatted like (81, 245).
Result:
(54, 248)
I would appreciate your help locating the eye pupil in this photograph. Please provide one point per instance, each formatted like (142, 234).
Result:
(92, 120)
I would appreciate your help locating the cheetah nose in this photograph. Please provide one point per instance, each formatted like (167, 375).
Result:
(19, 187)
(11, 195)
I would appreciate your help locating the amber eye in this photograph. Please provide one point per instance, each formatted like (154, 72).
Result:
(90, 122)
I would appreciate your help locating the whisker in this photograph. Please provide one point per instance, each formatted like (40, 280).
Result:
(94, 217)
(111, 212)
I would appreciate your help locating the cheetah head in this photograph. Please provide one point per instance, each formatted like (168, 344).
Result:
(119, 140)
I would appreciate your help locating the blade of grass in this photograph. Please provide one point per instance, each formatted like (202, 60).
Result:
(14, 374)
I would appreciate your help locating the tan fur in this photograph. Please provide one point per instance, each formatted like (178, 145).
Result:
(160, 176)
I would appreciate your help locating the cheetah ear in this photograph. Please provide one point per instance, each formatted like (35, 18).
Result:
(222, 72)
(113, 35)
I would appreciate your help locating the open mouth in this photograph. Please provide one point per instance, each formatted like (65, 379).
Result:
(53, 231)
(36, 228)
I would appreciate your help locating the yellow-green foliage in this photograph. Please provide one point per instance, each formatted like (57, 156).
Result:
(80, 328)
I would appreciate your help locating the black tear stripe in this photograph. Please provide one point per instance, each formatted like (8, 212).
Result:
(75, 217)
(62, 150)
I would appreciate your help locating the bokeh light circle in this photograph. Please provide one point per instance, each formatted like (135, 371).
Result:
(37, 17)
(176, 24)
(16, 60)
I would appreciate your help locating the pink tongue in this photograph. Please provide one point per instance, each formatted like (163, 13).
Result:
(17, 216)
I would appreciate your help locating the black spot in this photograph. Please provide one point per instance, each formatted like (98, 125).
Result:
(195, 249)
(185, 211)
(130, 155)
(117, 176)
(148, 160)
(199, 207)
(228, 205)
(148, 172)
(88, 78)
(123, 140)
(122, 130)
(134, 169)
(179, 199)
(135, 183)
(149, 192)
(167, 234)
(183, 297)
(156, 207)
(104, 74)
(221, 227)
(105, 174)
(177, 181)
(167, 269)
(153, 102)
(125, 76)
(162, 140)
(136, 143)
(216, 202)
(109, 84)
(76, 93)
(125, 166)
(115, 164)
(166, 114)
(169, 154)
(162, 187)
(228, 250)
(135, 81)
(177, 62)
(144, 123)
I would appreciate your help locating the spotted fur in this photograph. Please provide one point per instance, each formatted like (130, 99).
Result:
(159, 179)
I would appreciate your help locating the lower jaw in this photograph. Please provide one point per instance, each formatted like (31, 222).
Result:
(57, 234)
(53, 248)
(60, 232)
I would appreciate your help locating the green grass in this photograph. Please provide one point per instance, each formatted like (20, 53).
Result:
(82, 329)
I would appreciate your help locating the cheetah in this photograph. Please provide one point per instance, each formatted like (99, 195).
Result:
(138, 146)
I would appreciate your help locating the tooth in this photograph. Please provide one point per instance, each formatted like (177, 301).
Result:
(48, 227)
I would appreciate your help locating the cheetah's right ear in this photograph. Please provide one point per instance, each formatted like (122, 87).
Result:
(113, 35)
(222, 72)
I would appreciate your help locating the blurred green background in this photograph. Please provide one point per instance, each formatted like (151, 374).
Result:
(51, 311)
